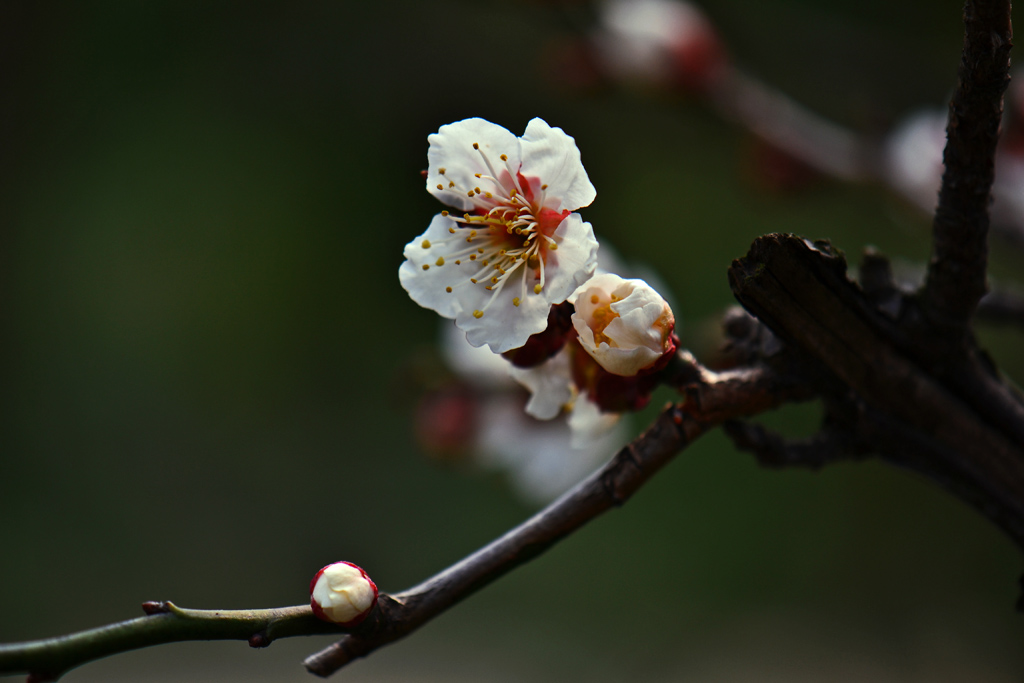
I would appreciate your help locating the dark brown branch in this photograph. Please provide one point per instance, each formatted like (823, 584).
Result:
(956, 275)
(711, 398)
(773, 450)
(906, 396)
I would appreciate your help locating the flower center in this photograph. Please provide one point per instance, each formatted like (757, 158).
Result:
(601, 317)
(507, 235)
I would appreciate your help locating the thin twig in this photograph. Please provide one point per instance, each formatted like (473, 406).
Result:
(775, 118)
(775, 451)
(747, 391)
(47, 660)
(956, 275)
(710, 399)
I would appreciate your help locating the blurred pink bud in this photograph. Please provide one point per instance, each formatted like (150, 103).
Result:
(659, 42)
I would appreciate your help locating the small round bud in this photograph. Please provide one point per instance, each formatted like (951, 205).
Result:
(624, 325)
(342, 593)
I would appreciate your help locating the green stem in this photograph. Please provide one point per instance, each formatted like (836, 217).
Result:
(50, 658)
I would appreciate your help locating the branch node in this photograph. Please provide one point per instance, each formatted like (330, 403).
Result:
(152, 607)
(258, 640)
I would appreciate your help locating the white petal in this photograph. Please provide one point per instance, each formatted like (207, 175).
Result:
(605, 283)
(588, 423)
(503, 325)
(575, 260)
(428, 287)
(451, 148)
(552, 156)
(477, 365)
(550, 386)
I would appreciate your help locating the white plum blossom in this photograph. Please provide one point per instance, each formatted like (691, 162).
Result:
(554, 393)
(541, 458)
(544, 459)
(512, 246)
(624, 325)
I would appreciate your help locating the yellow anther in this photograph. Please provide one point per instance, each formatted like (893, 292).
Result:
(515, 301)
(440, 186)
(533, 261)
(543, 187)
(478, 314)
(426, 267)
(476, 189)
(536, 289)
(488, 288)
(451, 230)
(553, 247)
(469, 239)
(451, 183)
(594, 298)
(494, 280)
(448, 289)
(504, 157)
(470, 193)
(477, 175)
(425, 244)
(476, 145)
(442, 170)
(488, 195)
(472, 257)
(473, 280)
(458, 262)
(440, 261)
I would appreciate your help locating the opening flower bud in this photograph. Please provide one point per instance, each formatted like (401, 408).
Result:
(624, 325)
(342, 593)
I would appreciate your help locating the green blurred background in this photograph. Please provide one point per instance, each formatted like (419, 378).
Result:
(205, 357)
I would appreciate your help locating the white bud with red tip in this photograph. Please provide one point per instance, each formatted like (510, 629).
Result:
(342, 593)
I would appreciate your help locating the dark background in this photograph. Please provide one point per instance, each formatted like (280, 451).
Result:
(202, 213)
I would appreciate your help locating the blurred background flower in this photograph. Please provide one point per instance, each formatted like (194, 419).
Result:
(203, 209)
